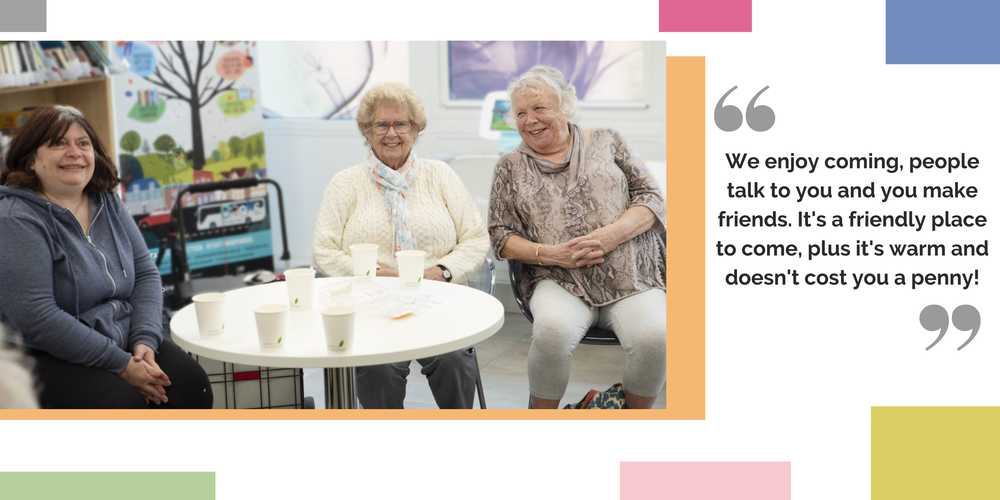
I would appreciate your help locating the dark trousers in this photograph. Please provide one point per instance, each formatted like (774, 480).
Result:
(452, 378)
(67, 385)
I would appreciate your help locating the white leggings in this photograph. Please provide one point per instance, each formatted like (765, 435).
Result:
(561, 320)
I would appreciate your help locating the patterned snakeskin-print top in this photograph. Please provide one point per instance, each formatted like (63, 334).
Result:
(542, 208)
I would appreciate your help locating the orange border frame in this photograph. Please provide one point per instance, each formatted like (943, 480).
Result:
(685, 131)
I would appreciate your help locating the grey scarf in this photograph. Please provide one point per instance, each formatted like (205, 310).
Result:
(574, 163)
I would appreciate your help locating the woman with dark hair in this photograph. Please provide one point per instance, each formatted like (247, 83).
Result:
(79, 285)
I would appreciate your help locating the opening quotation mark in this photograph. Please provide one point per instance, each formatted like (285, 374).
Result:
(964, 317)
(729, 118)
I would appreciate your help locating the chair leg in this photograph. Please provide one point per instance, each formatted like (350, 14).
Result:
(479, 380)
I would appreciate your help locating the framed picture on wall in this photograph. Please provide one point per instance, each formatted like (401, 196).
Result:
(326, 79)
(605, 74)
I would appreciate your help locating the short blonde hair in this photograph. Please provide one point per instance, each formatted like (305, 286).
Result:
(536, 80)
(391, 94)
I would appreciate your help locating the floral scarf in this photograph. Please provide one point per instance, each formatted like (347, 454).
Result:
(396, 183)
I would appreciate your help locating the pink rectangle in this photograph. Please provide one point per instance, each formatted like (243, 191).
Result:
(706, 480)
(706, 16)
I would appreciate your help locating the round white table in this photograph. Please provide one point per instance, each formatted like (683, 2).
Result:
(463, 317)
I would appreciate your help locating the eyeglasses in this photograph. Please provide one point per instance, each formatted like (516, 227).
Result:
(382, 128)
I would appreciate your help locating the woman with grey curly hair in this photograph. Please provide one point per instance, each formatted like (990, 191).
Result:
(579, 209)
(401, 202)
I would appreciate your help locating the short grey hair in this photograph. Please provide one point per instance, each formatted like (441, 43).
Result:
(537, 77)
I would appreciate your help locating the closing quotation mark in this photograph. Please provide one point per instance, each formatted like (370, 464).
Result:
(965, 318)
(728, 117)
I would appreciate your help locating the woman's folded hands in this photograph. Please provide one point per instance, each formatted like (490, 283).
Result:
(145, 375)
(582, 251)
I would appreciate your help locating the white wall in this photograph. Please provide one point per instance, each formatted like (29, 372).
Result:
(303, 155)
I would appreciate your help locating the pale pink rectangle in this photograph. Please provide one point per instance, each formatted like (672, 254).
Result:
(706, 16)
(706, 480)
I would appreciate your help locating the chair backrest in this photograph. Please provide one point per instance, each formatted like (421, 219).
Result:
(514, 268)
(476, 173)
(663, 238)
(485, 278)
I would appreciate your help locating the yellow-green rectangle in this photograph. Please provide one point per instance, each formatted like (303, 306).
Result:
(935, 453)
(108, 485)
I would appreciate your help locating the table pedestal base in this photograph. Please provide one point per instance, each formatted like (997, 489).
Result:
(340, 390)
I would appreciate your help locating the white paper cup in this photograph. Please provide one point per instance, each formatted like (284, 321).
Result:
(365, 258)
(300, 288)
(411, 266)
(272, 324)
(210, 308)
(338, 323)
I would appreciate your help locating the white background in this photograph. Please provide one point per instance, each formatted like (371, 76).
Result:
(792, 372)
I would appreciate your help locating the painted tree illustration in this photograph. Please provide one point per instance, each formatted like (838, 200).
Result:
(145, 146)
(129, 165)
(188, 71)
(164, 144)
(250, 150)
(235, 145)
(130, 142)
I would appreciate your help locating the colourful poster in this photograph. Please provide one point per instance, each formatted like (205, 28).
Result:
(187, 113)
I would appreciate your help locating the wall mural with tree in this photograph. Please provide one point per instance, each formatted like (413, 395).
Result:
(188, 113)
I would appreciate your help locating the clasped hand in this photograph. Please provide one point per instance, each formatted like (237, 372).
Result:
(145, 375)
(582, 251)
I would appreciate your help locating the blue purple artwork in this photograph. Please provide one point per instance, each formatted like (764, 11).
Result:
(609, 71)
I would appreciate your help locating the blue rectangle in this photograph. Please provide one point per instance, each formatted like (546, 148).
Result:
(942, 32)
(203, 254)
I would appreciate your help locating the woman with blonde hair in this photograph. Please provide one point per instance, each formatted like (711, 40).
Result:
(401, 202)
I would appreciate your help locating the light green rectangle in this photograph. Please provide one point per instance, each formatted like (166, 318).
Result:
(107, 485)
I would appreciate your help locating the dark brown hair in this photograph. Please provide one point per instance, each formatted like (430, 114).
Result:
(43, 127)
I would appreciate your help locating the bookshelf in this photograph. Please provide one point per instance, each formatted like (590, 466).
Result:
(91, 95)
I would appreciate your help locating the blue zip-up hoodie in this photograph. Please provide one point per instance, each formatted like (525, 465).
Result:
(84, 299)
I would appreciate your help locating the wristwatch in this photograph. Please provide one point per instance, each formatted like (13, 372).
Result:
(446, 273)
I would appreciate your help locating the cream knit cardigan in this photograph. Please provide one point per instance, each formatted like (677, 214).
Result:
(446, 222)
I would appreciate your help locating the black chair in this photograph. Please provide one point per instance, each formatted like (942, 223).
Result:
(595, 336)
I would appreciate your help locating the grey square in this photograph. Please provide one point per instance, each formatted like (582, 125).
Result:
(22, 15)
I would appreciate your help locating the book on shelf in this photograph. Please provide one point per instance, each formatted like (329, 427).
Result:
(24, 63)
(9, 122)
